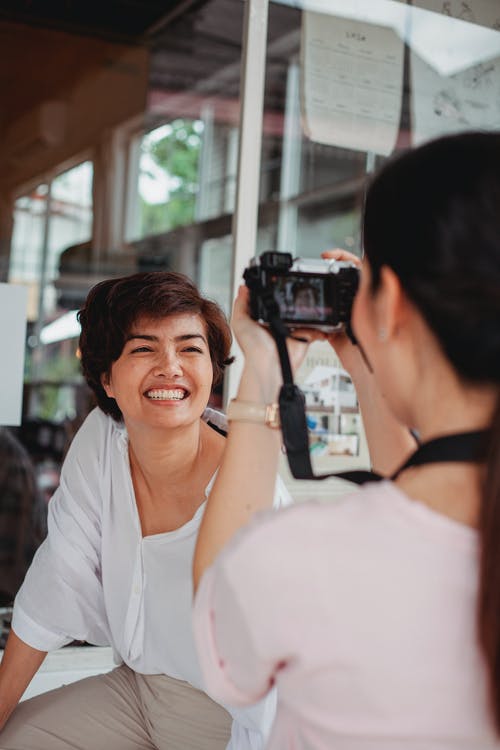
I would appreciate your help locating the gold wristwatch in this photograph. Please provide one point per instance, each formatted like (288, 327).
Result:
(248, 411)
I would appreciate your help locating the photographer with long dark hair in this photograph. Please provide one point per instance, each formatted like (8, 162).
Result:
(378, 615)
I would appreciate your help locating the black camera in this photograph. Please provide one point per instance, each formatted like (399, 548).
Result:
(308, 292)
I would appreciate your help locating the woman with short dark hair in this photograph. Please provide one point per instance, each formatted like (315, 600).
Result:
(116, 566)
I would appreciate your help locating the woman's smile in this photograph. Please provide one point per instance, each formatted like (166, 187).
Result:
(164, 394)
(165, 369)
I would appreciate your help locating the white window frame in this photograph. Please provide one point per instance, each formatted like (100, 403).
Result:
(245, 218)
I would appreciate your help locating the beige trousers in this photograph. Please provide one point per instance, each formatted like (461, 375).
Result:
(120, 710)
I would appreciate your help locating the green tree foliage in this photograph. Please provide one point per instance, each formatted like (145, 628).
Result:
(177, 153)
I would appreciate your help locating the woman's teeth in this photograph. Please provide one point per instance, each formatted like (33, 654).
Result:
(160, 394)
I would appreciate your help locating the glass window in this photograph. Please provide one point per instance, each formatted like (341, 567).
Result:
(184, 166)
(215, 270)
(25, 263)
(186, 172)
(347, 85)
(167, 186)
(48, 220)
(51, 219)
(70, 223)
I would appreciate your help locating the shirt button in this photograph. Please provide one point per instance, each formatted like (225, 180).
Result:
(137, 590)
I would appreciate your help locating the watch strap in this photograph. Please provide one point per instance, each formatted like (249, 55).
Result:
(249, 411)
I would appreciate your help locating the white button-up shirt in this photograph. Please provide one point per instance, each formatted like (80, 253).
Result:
(96, 578)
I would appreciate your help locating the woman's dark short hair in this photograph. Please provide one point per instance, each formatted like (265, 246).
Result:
(113, 306)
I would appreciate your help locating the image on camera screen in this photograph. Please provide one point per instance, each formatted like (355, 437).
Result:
(302, 298)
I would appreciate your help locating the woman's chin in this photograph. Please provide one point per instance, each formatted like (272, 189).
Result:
(169, 416)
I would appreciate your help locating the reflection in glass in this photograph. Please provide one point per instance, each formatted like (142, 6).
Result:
(70, 223)
(348, 84)
(25, 263)
(168, 177)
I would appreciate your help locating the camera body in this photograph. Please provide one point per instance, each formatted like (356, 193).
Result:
(310, 293)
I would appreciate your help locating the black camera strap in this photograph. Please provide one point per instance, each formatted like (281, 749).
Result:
(467, 446)
(459, 447)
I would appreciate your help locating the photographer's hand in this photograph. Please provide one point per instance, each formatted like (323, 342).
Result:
(347, 352)
(262, 371)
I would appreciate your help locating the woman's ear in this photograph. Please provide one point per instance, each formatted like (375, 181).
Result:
(392, 303)
(106, 384)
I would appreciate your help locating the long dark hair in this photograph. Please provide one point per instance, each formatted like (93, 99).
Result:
(433, 217)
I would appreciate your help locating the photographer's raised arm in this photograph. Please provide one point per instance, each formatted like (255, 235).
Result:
(246, 479)
(247, 476)
(19, 665)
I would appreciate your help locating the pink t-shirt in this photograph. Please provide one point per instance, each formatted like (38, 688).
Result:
(363, 613)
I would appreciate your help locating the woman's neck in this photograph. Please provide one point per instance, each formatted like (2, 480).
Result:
(438, 400)
(442, 404)
(170, 473)
(453, 409)
(166, 456)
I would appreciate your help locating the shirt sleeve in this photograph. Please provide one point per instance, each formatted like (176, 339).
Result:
(246, 624)
(61, 598)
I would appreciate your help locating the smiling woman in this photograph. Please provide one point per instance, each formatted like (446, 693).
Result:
(164, 374)
(116, 566)
(113, 324)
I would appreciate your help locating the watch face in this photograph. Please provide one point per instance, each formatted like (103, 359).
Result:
(273, 416)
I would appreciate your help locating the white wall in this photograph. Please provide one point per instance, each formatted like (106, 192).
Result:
(13, 307)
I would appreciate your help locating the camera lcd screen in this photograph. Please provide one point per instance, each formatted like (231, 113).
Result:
(301, 298)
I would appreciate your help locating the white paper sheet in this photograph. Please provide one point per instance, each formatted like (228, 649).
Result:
(482, 12)
(351, 83)
(13, 307)
(449, 43)
(448, 104)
